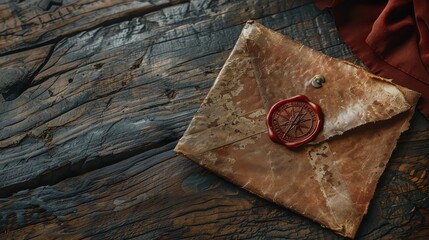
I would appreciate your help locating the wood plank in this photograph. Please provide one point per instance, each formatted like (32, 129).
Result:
(124, 94)
(25, 24)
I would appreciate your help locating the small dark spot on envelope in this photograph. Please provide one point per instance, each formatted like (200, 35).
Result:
(209, 101)
(213, 124)
(357, 91)
(322, 154)
(327, 176)
(325, 167)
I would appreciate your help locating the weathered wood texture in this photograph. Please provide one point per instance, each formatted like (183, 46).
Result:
(109, 93)
(123, 94)
(28, 23)
(18, 70)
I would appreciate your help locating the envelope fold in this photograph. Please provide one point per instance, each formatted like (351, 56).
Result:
(233, 108)
(284, 69)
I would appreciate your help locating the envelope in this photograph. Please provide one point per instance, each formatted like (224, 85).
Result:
(330, 179)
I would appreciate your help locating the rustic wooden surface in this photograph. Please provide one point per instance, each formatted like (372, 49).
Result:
(92, 103)
(28, 23)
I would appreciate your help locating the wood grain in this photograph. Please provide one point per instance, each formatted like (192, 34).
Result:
(25, 24)
(93, 134)
(18, 70)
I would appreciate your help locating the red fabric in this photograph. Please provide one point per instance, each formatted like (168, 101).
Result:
(391, 38)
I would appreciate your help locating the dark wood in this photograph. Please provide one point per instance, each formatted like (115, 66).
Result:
(92, 130)
(18, 70)
(28, 23)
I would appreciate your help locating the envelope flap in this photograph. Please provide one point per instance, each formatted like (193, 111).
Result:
(232, 110)
(350, 97)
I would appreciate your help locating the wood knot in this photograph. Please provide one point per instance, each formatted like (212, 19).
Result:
(15, 80)
(170, 93)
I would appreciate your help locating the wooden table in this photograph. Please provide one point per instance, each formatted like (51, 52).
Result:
(95, 95)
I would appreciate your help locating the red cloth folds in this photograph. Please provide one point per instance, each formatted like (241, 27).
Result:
(390, 37)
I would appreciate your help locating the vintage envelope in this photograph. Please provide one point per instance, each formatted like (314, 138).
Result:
(331, 179)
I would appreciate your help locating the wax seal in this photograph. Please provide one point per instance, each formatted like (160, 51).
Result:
(294, 121)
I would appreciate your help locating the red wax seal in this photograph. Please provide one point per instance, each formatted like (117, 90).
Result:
(294, 121)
